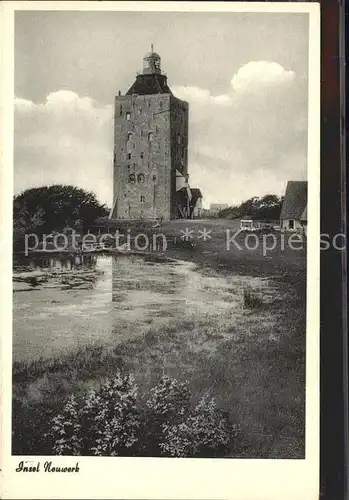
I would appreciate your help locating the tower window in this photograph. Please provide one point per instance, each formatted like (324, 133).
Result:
(128, 116)
(142, 155)
(140, 178)
(141, 133)
(129, 136)
(131, 178)
(142, 198)
(150, 136)
(129, 156)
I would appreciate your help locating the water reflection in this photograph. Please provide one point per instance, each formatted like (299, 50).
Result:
(56, 263)
(79, 300)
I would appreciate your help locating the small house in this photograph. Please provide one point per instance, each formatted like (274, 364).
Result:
(196, 203)
(215, 208)
(294, 215)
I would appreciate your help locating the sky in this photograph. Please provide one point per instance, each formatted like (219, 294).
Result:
(244, 75)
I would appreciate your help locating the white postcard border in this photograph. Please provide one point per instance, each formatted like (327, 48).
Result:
(154, 478)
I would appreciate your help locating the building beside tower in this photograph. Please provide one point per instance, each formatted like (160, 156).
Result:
(151, 149)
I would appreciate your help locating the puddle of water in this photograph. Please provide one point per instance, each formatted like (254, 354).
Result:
(124, 296)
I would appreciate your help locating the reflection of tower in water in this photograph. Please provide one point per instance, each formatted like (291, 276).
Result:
(64, 263)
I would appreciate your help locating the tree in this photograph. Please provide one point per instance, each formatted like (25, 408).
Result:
(266, 208)
(46, 209)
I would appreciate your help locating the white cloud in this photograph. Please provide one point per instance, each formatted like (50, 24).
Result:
(22, 105)
(252, 139)
(197, 96)
(257, 75)
(241, 143)
(67, 139)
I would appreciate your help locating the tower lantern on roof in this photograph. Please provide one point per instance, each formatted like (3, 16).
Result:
(151, 62)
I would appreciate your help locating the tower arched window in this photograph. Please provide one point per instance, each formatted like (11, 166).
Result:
(129, 136)
(128, 116)
(141, 178)
(131, 178)
(150, 136)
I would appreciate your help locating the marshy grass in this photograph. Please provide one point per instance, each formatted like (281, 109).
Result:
(251, 299)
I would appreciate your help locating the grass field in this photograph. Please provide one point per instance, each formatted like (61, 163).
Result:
(252, 360)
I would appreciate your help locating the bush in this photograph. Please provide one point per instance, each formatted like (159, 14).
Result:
(103, 422)
(168, 403)
(251, 300)
(108, 421)
(204, 432)
(66, 429)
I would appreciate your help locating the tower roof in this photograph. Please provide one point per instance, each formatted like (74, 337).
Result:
(151, 80)
(149, 84)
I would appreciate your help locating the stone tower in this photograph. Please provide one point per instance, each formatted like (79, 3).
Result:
(150, 146)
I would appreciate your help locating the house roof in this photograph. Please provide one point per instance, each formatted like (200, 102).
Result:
(182, 195)
(150, 84)
(196, 193)
(295, 201)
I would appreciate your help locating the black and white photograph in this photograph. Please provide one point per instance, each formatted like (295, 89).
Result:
(162, 211)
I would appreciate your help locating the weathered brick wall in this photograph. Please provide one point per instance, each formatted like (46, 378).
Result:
(147, 152)
(179, 144)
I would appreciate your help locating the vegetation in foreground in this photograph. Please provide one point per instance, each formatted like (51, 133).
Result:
(113, 420)
(253, 365)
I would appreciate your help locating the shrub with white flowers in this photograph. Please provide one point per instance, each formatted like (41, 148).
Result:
(66, 430)
(109, 421)
(103, 422)
(109, 417)
(204, 432)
